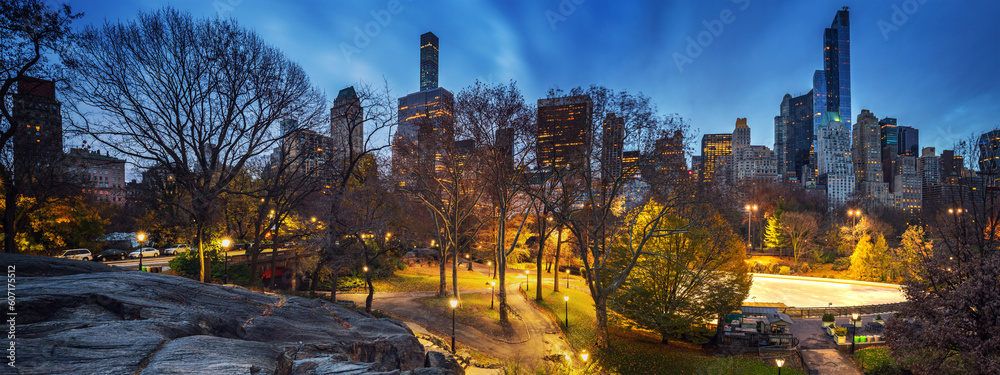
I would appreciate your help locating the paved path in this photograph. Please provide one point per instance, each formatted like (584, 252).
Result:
(819, 351)
(545, 336)
(828, 362)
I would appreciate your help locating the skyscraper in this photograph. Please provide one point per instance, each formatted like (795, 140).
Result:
(989, 152)
(837, 66)
(867, 157)
(347, 126)
(833, 160)
(37, 113)
(908, 141)
(428, 61)
(564, 131)
(797, 120)
(425, 118)
(612, 137)
(716, 155)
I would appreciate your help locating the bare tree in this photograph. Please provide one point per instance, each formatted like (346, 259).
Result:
(605, 194)
(800, 229)
(198, 97)
(31, 31)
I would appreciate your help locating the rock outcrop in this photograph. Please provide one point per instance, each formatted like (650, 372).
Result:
(83, 320)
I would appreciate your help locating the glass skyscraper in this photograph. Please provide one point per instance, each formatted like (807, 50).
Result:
(837, 66)
(428, 61)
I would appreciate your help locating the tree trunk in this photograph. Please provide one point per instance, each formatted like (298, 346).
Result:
(371, 292)
(454, 271)
(442, 259)
(333, 284)
(9, 217)
(206, 267)
(601, 310)
(555, 275)
(501, 273)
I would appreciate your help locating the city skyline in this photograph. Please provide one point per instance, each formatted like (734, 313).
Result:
(902, 60)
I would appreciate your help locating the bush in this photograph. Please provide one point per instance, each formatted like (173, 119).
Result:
(876, 360)
(828, 317)
(842, 264)
(773, 268)
(785, 270)
(825, 256)
(804, 268)
(840, 331)
(188, 265)
(878, 317)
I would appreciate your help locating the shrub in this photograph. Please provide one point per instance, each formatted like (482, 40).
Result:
(828, 317)
(804, 268)
(785, 270)
(772, 268)
(825, 256)
(876, 360)
(878, 317)
(842, 264)
(840, 331)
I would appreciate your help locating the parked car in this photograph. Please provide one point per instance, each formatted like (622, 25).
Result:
(111, 254)
(177, 249)
(146, 253)
(81, 254)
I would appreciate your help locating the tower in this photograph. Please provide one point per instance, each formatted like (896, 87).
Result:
(564, 131)
(428, 61)
(837, 66)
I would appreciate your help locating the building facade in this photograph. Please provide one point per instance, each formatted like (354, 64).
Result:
(428, 61)
(102, 177)
(347, 125)
(835, 168)
(837, 67)
(564, 131)
(38, 143)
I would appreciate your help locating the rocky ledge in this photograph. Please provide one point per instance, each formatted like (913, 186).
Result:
(77, 317)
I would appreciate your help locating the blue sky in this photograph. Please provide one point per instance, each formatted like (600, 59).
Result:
(932, 64)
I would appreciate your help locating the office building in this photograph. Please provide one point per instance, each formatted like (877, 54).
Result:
(612, 141)
(870, 184)
(564, 132)
(306, 151)
(38, 144)
(716, 156)
(908, 141)
(835, 168)
(796, 121)
(989, 152)
(428, 61)
(425, 118)
(837, 67)
(347, 127)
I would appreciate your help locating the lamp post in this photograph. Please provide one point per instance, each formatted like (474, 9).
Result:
(493, 284)
(454, 306)
(566, 299)
(225, 255)
(567, 278)
(854, 328)
(584, 355)
(527, 286)
(140, 237)
(490, 264)
(750, 220)
(468, 261)
(780, 362)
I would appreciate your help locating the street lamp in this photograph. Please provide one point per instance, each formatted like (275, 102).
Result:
(566, 298)
(780, 362)
(468, 261)
(493, 284)
(750, 220)
(584, 355)
(527, 286)
(854, 329)
(454, 306)
(490, 263)
(140, 237)
(225, 256)
(567, 278)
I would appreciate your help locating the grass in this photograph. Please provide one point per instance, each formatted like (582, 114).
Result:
(427, 279)
(473, 309)
(635, 352)
(876, 360)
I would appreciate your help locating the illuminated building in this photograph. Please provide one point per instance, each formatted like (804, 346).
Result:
(834, 166)
(428, 61)
(103, 176)
(837, 68)
(795, 127)
(38, 142)
(716, 154)
(867, 158)
(564, 132)
(989, 152)
(306, 150)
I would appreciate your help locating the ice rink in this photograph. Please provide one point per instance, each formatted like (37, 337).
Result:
(815, 292)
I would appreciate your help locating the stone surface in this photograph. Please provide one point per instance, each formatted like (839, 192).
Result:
(88, 318)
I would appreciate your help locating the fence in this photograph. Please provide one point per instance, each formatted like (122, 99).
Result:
(808, 312)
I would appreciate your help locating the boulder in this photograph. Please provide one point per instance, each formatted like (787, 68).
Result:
(88, 318)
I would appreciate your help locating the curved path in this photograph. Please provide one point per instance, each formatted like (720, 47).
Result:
(545, 335)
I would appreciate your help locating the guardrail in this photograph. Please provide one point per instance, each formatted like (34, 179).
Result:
(809, 312)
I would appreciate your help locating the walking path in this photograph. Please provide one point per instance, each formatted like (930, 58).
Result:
(545, 337)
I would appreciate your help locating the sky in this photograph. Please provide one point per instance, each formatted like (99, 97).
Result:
(932, 64)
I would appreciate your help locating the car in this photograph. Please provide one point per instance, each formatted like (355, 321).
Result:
(146, 253)
(111, 254)
(81, 254)
(176, 249)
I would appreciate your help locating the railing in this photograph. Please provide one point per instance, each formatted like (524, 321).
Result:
(808, 312)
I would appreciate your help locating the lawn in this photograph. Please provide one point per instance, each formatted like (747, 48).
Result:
(427, 279)
(633, 352)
